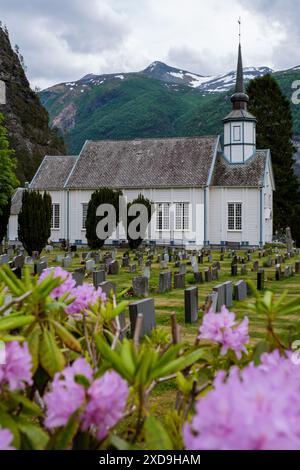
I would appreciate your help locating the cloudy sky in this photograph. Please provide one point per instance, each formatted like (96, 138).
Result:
(62, 40)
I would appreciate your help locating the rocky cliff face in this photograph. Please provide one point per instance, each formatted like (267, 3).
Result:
(26, 119)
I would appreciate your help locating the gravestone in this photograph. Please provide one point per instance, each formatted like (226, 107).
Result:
(113, 267)
(78, 276)
(182, 268)
(214, 274)
(208, 275)
(147, 309)
(59, 258)
(98, 277)
(297, 267)
(44, 259)
(28, 260)
(39, 268)
(191, 305)
(73, 248)
(17, 272)
(240, 291)
(278, 272)
(48, 248)
(163, 264)
(4, 259)
(165, 282)
(289, 240)
(125, 262)
(198, 278)
(221, 291)
(243, 270)
(179, 281)
(140, 286)
(108, 287)
(212, 300)
(200, 259)
(90, 265)
(288, 272)
(132, 268)
(228, 293)
(66, 262)
(260, 279)
(255, 266)
(234, 270)
(19, 261)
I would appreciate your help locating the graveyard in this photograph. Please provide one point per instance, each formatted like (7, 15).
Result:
(179, 280)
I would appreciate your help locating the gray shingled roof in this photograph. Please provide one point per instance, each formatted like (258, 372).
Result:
(53, 172)
(146, 163)
(239, 114)
(16, 202)
(248, 174)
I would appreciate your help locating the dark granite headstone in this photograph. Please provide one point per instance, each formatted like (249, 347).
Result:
(191, 305)
(78, 276)
(98, 277)
(240, 291)
(113, 267)
(165, 282)
(179, 281)
(147, 309)
(234, 270)
(108, 287)
(260, 279)
(140, 286)
(221, 290)
(228, 293)
(198, 277)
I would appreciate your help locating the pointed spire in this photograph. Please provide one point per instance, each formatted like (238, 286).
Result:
(240, 98)
(239, 87)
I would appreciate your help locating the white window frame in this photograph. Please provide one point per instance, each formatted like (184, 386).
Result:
(55, 216)
(84, 209)
(182, 216)
(235, 217)
(163, 216)
(238, 130)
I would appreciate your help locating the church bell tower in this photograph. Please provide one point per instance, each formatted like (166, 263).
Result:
(239, 125)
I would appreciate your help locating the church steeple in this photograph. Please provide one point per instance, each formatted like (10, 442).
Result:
(239, 125)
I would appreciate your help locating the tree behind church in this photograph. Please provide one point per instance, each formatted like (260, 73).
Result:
(8, 180)
(275, 132)
(99, 197)
(35, 221)
(133, 244)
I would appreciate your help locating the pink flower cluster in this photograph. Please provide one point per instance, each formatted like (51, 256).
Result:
(222, 328)
(101, 405)
(16, 372)
(257, 408)
(5, 439)
(67, 281)
(84, 295)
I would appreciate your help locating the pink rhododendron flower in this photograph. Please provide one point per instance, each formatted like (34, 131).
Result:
(66, 396)
(16, 372)
(6, 438)
(257, 408)
(222, 328)
(108, 397)
(102, 403)
(68, 283)
(85, 296)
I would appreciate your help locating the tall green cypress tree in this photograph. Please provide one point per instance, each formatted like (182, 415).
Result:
(133, 244)
(35, 221)
(8, 180)
(275, 132)
(101, 196)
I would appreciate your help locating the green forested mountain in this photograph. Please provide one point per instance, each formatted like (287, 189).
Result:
(147, 104)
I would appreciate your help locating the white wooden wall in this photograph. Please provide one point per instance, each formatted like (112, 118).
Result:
(218, 213)
(13, 228)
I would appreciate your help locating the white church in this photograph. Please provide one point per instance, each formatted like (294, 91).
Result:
(204, 193)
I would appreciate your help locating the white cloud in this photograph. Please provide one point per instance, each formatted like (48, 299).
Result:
(63, 40)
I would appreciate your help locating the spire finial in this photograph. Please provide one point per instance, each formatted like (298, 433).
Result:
(240, 29)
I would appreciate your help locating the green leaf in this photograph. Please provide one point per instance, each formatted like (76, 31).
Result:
(7, 323)
(157, 437)
(67, 338)
(179, 364)
(6, 421)
(28, 405)
(261, 348)
(37, 437)
(34, 344)
(121, 444)
(51, 358)
(64, 437)
(113, 358)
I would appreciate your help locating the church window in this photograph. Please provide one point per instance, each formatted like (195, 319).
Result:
(182, 216)
(234, 216)
(55, 216)
(163, 216)
(84, 214)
